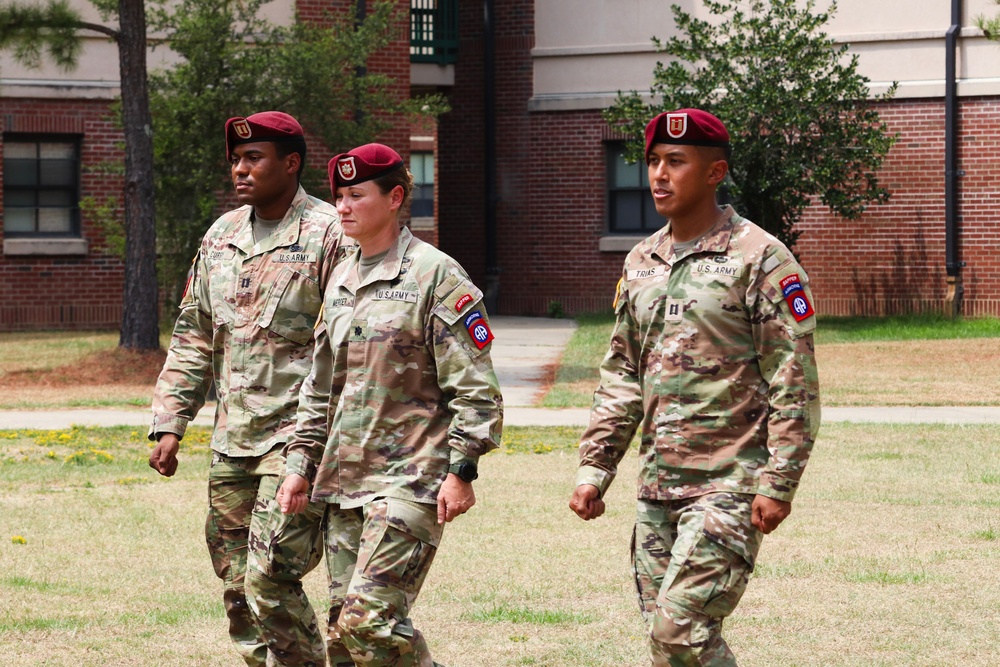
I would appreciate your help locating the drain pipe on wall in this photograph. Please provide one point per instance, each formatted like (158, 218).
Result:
(492, 291)
(953, 265)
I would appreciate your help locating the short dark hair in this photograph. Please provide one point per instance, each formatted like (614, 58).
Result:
(293, 145)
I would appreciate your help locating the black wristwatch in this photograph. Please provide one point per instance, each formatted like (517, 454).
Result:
(466, 472)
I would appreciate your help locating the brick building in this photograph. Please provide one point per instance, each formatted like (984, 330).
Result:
(563, 209)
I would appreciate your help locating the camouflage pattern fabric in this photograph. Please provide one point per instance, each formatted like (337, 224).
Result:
(283, 548)
(378, 556)
(232, 495)
(710, 358)
(402, 382)
(247, 321)
(692, 559)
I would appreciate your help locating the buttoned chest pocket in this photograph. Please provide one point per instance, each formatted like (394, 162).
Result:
(291, 306)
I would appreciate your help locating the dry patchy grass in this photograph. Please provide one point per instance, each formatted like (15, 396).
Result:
(961, 371)
(889, 559)
(915, 372)
(72, 369)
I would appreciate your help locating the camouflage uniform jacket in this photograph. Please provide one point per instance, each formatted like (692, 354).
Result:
(400, 387)
(247, 320)
(708, 355)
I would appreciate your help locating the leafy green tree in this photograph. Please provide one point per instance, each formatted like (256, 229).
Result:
(990, 26)
(28, 29)
(233, 63)
(801, 120)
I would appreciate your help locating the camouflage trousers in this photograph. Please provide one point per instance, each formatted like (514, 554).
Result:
(261, 556)
(692, 561)
(378, 557)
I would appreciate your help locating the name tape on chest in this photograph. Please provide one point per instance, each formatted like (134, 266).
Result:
(795, 297)
(342, 302)
(396, 295)
(639, 274)
(478, 329)
(295, 258)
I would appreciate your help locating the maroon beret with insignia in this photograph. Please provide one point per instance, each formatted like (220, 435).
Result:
(263, 126)
(689, 127)
(362, 164)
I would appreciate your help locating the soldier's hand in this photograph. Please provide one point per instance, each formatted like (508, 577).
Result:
(768, 513)
(163, 458)
(455, 497)
(586, 502)
(293, 495)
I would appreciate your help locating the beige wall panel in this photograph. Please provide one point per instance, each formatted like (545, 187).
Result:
(587, 49)
(97, 74)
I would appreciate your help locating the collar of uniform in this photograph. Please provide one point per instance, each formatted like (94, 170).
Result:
(286, 234)
(388, 269)
(715, 240)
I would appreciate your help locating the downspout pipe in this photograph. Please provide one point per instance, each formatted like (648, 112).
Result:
(953, 265)
(490, 158)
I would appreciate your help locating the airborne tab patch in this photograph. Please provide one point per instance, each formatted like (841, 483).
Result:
(795, 296)
(478, 329)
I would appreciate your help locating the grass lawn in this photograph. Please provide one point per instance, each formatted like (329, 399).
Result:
(890, 558)
(862, 361)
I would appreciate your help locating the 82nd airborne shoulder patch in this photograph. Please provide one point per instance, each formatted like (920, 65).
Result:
(478, 329)
(795, 296)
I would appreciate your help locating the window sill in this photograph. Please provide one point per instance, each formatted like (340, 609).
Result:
(619, 242)
(40, 246)
(424, 223)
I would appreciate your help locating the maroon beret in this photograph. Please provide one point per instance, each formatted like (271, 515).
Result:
(362, 164)
(689, 127)
(263, 126)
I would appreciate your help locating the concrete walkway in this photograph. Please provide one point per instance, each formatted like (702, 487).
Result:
(523, 351)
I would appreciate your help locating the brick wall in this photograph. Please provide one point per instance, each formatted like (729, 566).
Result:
(892, 260)
(71, 292)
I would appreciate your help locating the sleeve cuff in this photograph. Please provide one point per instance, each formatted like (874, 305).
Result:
(778, 488)
(595, 476)
(457, 457)
(297, 463)
(166, 423)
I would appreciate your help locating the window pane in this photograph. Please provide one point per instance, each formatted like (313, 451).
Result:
(652, 220)
(429, 168)
(16, 149)
(626, 213)
(60, 151)
(19, 198)
(623, 175)
(55, 220)
(18, 220)
(20, 172)
(417, 168)
(422, 208)
(60, 198)
(58, 172)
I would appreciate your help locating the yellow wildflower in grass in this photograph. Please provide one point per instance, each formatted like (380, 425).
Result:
(17, 539)
(51, 454)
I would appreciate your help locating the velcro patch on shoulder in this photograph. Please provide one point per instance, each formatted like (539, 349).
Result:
(454, 297)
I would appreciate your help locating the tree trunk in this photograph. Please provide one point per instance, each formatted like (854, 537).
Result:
(140, 328)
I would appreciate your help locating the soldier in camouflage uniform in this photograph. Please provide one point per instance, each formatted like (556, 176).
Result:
(712, 355)
(401, 403)
(246, 322)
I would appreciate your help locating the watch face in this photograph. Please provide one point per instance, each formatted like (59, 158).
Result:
(467, 472)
